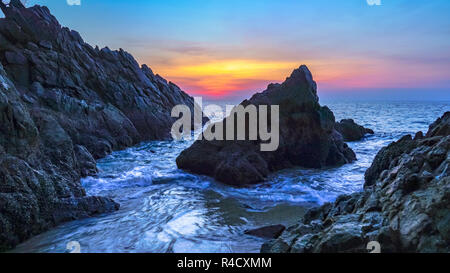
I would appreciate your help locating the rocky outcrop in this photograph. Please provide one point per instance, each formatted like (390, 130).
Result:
(405, 205)
(351, 131)
(64, 104)
(307, 138)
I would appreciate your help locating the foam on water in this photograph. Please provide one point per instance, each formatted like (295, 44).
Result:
(164, 209)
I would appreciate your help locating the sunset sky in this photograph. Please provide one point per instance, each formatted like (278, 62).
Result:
(231, 49)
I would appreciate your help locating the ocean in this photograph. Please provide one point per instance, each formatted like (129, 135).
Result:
(164, 209)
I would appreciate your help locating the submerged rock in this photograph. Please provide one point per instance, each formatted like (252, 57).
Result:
(351, 131)
(405, 205)
(64, 104)
(307, 138)
(271, 232)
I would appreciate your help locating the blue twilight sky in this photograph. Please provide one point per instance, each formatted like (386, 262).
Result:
(221, 49)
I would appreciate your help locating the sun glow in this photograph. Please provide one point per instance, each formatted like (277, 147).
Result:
(243, 77)
(218, 78)
(235, 68)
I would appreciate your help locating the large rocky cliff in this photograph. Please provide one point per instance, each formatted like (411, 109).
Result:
(64, 104)
(405, 205)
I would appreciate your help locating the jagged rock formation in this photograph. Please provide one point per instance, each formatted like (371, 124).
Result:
(351, 131)
(405, 205)
(307, 138)
(64, 104)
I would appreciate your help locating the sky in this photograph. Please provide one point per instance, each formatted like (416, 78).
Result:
(230, 49)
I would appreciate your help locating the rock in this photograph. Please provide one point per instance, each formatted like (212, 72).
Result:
(440, 127)
(76, 208)
(85, 160)
(271, 232)
(385, 157)
(307, 138)
(16, 3)
(15, 58)
(32, 46)
(405, 205)
(76, 104)
(351, 131)
(46, 45)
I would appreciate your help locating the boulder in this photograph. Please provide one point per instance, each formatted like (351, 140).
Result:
(351, 131)
(269, 232)
(405, 206)
(307, 138)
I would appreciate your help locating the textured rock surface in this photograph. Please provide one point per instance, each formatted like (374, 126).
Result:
(307, 138)
(270, 232)
(405, 205)
(351, 131)
(63, 104)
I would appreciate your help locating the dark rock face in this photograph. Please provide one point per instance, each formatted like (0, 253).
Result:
(351, 131)
(270, 232)
(63, 104)
(307, 138)
(405, 205)
(120, 102)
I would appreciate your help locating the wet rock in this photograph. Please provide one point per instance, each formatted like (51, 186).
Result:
(271, 232)
(385, 157)
(307, 138)
(405, 205)
(351, 131)
(64, 104)
(75, 208)
(85, 160)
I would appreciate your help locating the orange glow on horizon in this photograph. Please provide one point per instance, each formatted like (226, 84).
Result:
(225, 77)
(230, 77)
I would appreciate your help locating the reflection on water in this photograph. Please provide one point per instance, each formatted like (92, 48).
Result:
(164, 209)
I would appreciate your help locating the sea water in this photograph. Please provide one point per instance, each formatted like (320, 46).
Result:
(164, 209)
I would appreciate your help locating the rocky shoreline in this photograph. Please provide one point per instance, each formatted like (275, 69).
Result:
(405, 205)
(63, 104)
